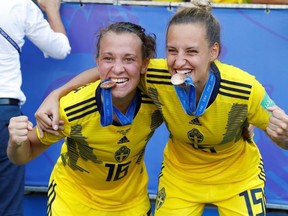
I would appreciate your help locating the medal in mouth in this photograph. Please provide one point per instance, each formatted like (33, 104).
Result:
(106, 84)
(178, 79)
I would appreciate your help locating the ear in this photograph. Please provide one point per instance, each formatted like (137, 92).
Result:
(214, 51)
(144, 66)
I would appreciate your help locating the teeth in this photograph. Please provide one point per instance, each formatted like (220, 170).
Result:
(119, 80)
(183, 71)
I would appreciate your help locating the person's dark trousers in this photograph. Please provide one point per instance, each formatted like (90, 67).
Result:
(11, 176)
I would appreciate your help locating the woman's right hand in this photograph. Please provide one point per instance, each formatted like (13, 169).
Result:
(18, 130)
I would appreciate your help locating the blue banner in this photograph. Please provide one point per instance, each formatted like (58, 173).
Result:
(253, 39)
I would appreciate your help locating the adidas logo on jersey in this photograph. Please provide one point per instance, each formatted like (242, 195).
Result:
(195, 121)
(124, 139)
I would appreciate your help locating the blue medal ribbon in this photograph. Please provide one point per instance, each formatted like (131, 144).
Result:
(109, 110)
(107, 114)
(187, 96)
(128, 117)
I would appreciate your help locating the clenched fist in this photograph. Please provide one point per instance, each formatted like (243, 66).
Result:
(18, 130)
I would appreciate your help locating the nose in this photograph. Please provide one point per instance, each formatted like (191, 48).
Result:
(118, 67)
(180, 60)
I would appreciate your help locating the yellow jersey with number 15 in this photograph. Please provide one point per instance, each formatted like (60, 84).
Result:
(210, 148)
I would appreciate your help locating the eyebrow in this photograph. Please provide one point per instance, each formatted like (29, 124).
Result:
(192, 47)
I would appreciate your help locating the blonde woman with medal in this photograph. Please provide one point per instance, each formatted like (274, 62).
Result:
(107, 125)
(206, 159)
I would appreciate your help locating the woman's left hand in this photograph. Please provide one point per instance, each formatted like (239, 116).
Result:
(278, 124)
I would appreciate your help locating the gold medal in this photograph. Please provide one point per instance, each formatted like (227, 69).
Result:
(107, 84)
(178, 79)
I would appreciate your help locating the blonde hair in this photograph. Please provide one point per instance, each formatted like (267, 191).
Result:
(200, 11)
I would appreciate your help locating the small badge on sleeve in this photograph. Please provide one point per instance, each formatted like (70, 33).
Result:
(267, 101)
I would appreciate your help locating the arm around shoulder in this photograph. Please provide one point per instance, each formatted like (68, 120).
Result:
(47, 115)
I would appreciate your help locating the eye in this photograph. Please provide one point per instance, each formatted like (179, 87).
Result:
(108, 59)
(129, 60)
(171, 51)
(192, 52)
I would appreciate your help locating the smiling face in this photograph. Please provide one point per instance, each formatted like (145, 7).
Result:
(120, 59)
(188, 51)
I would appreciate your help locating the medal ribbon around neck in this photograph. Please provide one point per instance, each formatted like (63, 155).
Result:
(128, 117)
(188, 97)
(109, 110)
(107, 107)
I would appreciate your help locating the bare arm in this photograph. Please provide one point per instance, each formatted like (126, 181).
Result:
(23, 145)
(83, 78)
(52, 9)
(277, 128)
(47, 115)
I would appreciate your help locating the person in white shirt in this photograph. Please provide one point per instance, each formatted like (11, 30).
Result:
(20, 19)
